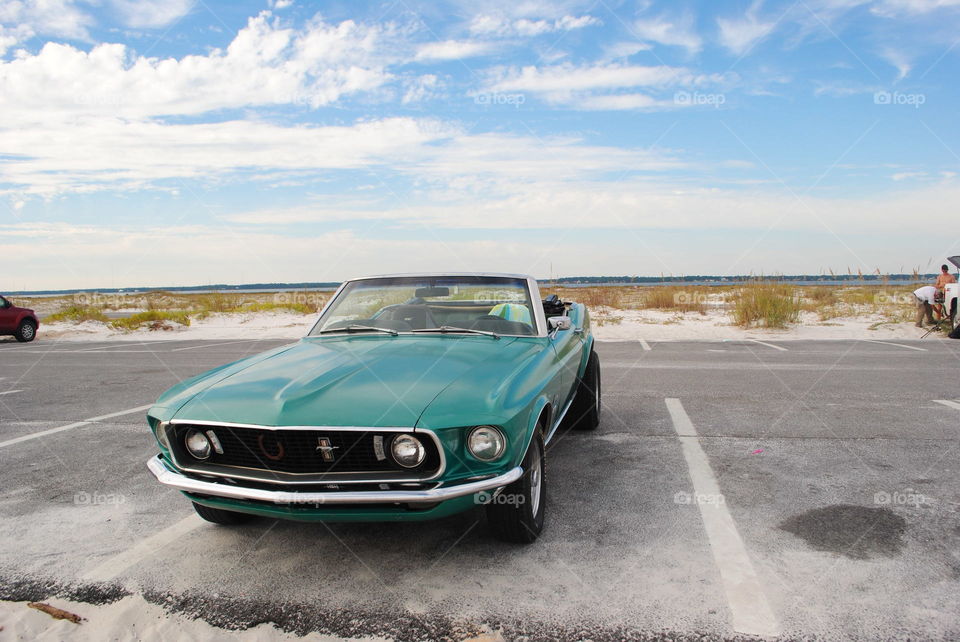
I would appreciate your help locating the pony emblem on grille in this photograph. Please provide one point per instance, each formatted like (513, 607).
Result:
(325, 449)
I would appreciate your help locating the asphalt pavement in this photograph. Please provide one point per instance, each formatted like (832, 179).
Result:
(792, 489)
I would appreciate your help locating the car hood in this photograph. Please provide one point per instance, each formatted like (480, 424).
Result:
(348, 381)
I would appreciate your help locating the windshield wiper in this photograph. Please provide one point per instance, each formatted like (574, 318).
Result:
(444, 329)
(359, 328)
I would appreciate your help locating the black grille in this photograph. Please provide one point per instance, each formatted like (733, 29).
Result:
(300, 452)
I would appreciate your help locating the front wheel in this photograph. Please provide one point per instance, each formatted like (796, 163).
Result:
(26, 331)
(219, 516)
(517, 514)
(585, 411)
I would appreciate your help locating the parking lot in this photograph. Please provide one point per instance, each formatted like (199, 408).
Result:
(807, 490)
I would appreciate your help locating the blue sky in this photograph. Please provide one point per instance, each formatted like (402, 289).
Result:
(179, 142)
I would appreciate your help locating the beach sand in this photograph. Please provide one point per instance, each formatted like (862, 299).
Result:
(609, 324)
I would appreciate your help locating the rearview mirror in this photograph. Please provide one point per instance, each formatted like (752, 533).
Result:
(423, 293)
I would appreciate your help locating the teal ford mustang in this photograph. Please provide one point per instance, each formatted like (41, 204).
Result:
(412, 398)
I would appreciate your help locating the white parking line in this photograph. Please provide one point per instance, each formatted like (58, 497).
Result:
(644, 345)
(948, 404)
(746, 597)
(144, 549)
(210, 345)
(78, 424)
(769, 345)
(10, 392)
(898, 345)
(109, 347)
(83, 352)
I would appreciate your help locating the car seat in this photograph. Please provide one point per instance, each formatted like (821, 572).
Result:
(418, 316)
(512, 312)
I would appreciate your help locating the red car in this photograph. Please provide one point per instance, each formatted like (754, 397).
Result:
(20, 322)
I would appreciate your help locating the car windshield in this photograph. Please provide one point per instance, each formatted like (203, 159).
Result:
(499, 305)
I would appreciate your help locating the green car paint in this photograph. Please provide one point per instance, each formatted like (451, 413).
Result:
(444, 383)
(333, 514)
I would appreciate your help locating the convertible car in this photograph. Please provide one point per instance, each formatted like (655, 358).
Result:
(413, 397)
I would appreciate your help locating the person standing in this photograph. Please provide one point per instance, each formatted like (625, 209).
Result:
(945, 278)
(926, 298)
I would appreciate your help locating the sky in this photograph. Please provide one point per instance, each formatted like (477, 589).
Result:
(174, 142)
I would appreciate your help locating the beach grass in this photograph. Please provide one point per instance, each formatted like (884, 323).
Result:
(762, 303)
(767, 304)
(77, 314)
(153, 319)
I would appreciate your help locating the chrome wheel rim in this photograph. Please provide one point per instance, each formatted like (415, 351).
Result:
(536, 480)
(27, 331)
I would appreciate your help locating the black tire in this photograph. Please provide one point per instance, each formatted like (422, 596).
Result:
(955, 333)
(585, 410)
(517, 514)
(219, 516)
(26, 331)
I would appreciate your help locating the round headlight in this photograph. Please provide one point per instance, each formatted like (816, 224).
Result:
(198, 444)
(407, 451)
(486, 443)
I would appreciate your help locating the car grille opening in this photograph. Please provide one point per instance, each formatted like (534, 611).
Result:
(324, 452)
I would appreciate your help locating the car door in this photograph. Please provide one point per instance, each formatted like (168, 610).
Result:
(568, 345)
(8, 315)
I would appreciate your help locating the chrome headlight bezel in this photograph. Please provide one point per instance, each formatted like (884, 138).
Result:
(479, 440)
(407, 440)
(205, 452)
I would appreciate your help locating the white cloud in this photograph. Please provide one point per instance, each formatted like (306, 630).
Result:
(674, 32)
(92, 155)
(11, 36)
(899, 60)
(121, 256)
(501, 26)
(901, 176)
(614, 102)
(97, 154)
(25, 18)
(151, 13)
(452, 50)
(894, 8)
(420, 89)
(625, 49)
(843, 90)
(563, 78)
(740, 35)
(642, 204)
(470, 160)
(265, 64)
(578, 85)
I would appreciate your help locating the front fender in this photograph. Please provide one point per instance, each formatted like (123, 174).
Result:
(533, 421)
(509, 395)
(27, 316)
(580, 317)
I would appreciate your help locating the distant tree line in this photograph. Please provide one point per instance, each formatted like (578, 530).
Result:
(579, 280)
(856, 278)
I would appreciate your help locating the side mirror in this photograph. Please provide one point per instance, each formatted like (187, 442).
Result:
(559, 323)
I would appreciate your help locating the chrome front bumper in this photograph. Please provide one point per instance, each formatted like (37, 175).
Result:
(181, 482)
